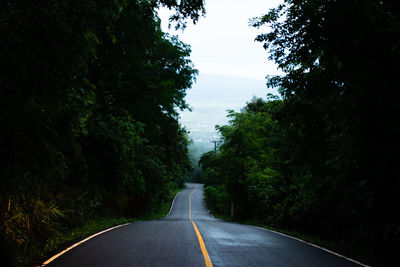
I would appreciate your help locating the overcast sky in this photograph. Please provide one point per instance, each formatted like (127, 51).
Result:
(223, 43)
(232, 67)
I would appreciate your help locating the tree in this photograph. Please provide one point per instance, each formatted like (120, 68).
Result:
(321, 160)
(88, 99)
(340, 91)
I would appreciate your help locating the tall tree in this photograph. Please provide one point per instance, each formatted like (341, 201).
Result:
(336, 137)
(88, 99)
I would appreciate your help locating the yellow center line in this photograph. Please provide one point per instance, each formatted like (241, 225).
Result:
(199, 237)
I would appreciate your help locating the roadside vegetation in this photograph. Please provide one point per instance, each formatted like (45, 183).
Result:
(91, 226)
(89, 100)
(320, 159)
(90, 138)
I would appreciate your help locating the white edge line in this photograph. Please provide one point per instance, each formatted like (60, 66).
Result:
(80, 242)
(172, 204)
(327, 250)
(99, 233)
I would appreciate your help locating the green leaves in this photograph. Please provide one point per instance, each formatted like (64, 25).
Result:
(339, 100)
(246, 162)
(88, 110)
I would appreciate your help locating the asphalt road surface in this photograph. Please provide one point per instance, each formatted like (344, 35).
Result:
(190, 236)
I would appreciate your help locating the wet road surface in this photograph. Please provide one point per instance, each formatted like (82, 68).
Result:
(172, 241)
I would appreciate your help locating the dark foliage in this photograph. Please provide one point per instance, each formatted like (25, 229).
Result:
(323, 159)
(89, 92)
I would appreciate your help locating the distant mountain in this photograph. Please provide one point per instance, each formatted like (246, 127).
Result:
(210, 98)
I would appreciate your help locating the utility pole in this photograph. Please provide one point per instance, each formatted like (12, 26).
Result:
(216, 142)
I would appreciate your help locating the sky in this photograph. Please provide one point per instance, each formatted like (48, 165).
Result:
(232, 66)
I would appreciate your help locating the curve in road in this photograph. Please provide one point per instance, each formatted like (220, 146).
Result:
(190, 236)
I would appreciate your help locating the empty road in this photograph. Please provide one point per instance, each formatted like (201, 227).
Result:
(190, 236)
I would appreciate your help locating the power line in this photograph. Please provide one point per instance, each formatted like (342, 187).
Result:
(216, 142)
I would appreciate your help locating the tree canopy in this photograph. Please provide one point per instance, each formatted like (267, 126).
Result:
(321, 160)
(89, 123)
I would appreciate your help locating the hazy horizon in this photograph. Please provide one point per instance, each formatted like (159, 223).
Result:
(232, 66)
(210, 98)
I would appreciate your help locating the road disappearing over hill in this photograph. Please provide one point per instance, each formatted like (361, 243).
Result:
(190, 236)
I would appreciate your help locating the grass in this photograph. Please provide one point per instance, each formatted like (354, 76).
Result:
(36, 254)
(66, 239)
(164, 209)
